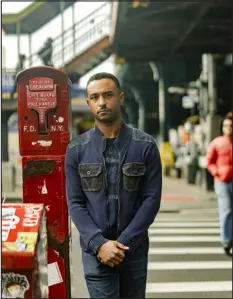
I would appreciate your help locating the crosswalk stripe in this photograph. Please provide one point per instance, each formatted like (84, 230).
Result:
(184, 239)
(206, 211)
(189, 265)
(199, 229)
(185, 224)
(183, 219)
(186, 250)
(184, 231)
(186, 213)
(177, 287)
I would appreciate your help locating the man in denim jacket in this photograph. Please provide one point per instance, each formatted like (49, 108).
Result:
(113, 183)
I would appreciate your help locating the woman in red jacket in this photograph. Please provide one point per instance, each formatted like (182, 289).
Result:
(219, 163)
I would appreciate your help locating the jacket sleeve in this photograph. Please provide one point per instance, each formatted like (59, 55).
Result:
(90, 233)
(211, 158)
(135, 232)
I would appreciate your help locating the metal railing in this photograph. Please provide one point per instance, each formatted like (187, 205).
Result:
(76, 39)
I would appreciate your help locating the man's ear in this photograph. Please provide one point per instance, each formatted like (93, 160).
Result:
(88, 103)
(122, 98)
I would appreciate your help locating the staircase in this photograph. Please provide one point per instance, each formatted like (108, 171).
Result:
(82, 46)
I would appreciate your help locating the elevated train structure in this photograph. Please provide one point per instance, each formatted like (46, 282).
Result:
(157, 47)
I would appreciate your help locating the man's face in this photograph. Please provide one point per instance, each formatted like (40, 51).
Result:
(227, 127)
(104, 100)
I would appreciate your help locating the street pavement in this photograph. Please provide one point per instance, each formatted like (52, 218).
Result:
(185, 257)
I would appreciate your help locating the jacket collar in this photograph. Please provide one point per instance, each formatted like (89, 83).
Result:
(122, 141)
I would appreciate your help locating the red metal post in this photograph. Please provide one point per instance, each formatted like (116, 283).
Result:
(44, 116)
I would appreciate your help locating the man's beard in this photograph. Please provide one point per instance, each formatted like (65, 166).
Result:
(111, 119)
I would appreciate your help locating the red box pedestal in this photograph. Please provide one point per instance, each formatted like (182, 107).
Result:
(43, 181)
(24, 251)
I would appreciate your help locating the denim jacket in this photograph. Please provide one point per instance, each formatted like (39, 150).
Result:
(139, 187)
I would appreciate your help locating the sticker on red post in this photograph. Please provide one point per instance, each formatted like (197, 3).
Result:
(54, 274)
(41, 97)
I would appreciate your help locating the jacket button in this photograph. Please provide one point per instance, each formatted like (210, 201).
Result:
(88, 172)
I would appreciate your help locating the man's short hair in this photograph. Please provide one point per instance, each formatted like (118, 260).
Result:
(103, 75)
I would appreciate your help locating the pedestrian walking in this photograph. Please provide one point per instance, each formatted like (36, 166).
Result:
(219, 163)
(113, 183)
(46, 52)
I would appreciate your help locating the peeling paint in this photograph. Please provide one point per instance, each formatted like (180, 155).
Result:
(57, 253)
(60, 119)
(43, 142)
(44, 189)
(47, 208)
(39, 189)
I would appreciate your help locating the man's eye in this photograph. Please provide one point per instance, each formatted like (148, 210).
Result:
(108, 95)
(93, 98)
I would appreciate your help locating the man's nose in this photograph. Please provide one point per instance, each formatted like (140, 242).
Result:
(102, 101)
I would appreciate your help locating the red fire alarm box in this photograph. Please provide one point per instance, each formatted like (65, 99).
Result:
(44, 115)
(24, 251)
(44, 111)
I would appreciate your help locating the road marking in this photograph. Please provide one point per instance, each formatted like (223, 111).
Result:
(200, 211)
(189, 265)
(186, 250)
(186, 218)
(178, 287)
(177, 198)
(185, 239)
(194, 231)
(185, 224)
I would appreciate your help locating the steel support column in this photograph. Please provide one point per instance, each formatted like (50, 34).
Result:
(160, 75)
(62, 29)
(5, 132)
(213, 120)
(212, 90)
(141, 108)
(30, 49)
(73, 27)
(18, 38)
(163, 102)
(132, 114)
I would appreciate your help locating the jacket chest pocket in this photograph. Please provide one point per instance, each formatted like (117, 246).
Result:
(132, 174)
(91, 176)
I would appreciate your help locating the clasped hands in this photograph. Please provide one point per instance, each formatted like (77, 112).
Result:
(112, 253)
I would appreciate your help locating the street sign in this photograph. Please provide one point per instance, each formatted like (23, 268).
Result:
(194, 93)
(188, 102)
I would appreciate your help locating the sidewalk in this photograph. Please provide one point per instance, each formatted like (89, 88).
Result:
(177, 195)
(12, 197)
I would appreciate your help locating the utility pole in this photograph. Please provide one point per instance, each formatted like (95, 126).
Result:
(213, 120)
(160, 75)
